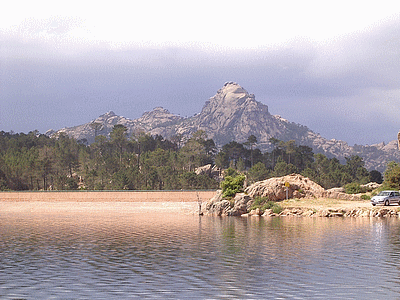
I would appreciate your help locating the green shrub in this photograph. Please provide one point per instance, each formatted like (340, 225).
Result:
(269, 205)
(365, 197)
(263, 204)
(352, 188)
(232, 185)
(277, 209)
(231, 172)
(259, 202)
(392, 176)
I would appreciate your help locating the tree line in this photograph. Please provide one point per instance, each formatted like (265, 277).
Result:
(141, 161)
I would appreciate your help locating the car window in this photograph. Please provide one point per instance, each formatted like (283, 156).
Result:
(396, 193)
(383, 193)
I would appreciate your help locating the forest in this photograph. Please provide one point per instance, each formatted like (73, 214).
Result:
(140, 161)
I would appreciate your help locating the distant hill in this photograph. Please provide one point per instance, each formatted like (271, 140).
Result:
(234, 114)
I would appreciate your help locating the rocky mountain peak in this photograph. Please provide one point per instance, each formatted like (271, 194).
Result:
(157, 116)
(228, 100)
(108, 115)
(108, 118)
(233, 91)
(157, 111)
(231, 94)
(233, 114)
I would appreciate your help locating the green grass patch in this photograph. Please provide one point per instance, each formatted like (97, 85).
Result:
(365, 197)
(263, 204)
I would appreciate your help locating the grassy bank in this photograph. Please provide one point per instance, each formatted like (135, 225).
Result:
(325, 203)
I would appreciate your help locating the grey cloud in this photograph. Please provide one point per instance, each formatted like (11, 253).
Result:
(326, 88)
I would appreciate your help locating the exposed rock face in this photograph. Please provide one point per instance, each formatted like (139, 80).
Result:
(275, 190)
(241, 205)
(234, 114)
(371, 186)
(157, 117)
(217, 206)
(209, 170)
(299, 187)
(103, 125)
(335, 194)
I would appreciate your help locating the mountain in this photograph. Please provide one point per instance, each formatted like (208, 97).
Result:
(103, 125)
(234, 114)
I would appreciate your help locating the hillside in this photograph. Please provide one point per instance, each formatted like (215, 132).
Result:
(234, 114)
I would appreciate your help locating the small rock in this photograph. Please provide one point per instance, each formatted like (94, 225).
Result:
(268, 213)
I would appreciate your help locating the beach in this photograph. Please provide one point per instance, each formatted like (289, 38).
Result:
(103, 201)
(107, 196)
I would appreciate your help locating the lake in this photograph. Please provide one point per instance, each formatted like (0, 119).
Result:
(127, 254)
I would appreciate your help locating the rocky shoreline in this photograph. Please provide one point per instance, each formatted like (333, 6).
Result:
(329, 212)
(242, 205)
(315, 200)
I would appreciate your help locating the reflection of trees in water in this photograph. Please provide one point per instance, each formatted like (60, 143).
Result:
(230, 256)
(388, 244)
(248, 239)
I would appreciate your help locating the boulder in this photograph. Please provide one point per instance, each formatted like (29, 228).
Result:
(209, 170)
(275, 190)
(213, 206)
(337, 190)
(268, 213)
(255, 212)
(308, 213)
(335, 193)
(219, 208)
(204, 170)
(371, 186)
(240, 205)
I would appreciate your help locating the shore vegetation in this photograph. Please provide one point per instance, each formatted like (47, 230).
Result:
(141, 161)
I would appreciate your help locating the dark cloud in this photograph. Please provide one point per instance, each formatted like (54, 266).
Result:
(343, 90)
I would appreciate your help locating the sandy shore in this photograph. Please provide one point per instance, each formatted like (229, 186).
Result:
(107, 196)
(97, 207)
(103, 202)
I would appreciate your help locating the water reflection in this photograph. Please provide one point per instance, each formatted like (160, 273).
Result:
(106, 254)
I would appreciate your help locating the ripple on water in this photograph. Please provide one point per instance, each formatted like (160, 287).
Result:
(127, 255)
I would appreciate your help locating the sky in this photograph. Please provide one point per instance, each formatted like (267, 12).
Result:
(333, 66)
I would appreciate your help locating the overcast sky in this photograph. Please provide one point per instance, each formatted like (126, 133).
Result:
(333, 66)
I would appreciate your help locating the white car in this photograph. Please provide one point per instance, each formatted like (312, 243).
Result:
(386, 198)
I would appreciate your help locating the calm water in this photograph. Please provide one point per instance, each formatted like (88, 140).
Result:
(124, 255)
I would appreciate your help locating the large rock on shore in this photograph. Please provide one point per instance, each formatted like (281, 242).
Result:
(217, 206)
(241, 204)
(275, 190)
(336, 193)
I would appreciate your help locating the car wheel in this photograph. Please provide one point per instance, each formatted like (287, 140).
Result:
(386, 202)
(373, 204)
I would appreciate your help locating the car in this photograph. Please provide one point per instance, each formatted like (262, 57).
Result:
(386, 198)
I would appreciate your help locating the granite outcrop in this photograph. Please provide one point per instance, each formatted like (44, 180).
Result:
(290, 186)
